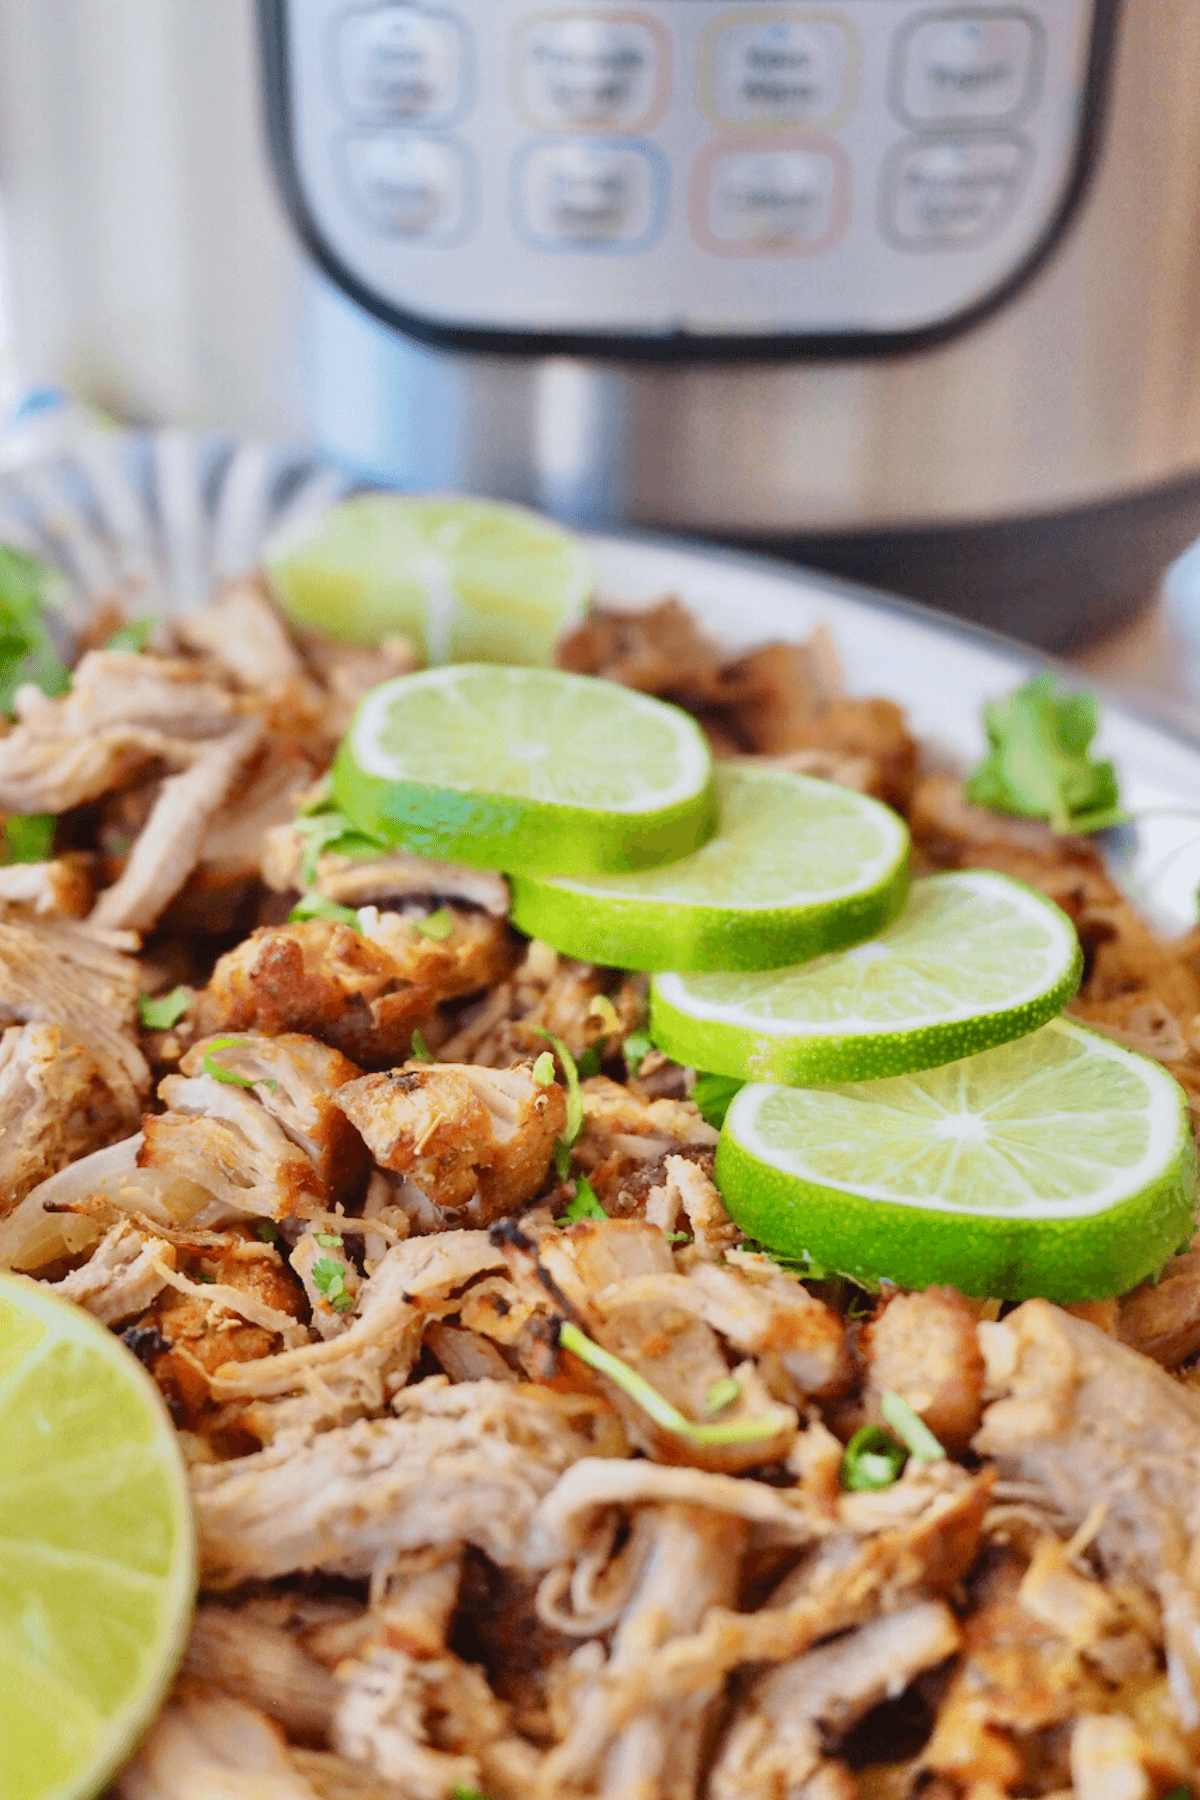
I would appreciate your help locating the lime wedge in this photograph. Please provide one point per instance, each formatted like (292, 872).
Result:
(797, 867)
(973, 960)
(526, 770)
(466, 580)
(97, 1566)
(1061, 1165)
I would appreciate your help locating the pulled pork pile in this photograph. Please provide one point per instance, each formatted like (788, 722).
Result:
(440, 1555)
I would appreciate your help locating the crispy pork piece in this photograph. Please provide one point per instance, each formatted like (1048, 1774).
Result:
(775, 1741)
(209, 1746)
(124, 714)
(242, 632)
(1162, 1318)
(389, 879)
(256, 1658)
(1096, 1426)
(169, 845)
(123, 1276)
(83, 980)
(363, 997)
(688, 1561)
(689, 1189)
(477, 1142)
(622, 1133)
(465, 1463)
(660, 651)
(56, 1105)
(296, 1077)
(547, 992)
(348, 672)
(59, 889)
(923, 1347)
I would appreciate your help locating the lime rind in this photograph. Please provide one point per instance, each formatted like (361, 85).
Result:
(526, 771)
(794, 1027)
(797, 867)
(160, 1581)
(1084, 1246)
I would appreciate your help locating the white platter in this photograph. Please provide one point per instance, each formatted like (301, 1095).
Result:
(169, 513)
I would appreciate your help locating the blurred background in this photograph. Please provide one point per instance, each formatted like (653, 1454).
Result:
(1036, 469)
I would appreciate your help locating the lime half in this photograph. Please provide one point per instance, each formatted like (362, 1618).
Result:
(466, 580)
(1061, 1165)
(797, 867)
(526, 770)
(97, 1565)
(973, 960)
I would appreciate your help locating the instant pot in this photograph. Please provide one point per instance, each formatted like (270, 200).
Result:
(906, 290)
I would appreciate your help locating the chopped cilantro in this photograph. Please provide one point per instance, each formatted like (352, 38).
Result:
(589, 1062)
(873, 1459)
(206, 1278)
(722, 1394)
(27, 650)
(329, 1240)
(316, 906)
(135, 635)
(636, 1049)
(679, 1237)
(322, 830)
(158, 1012)
(907, 1424)
(268, 1232)
(585, 1204)
(219, 1072)
(654, 1404)
(543, 1069)
(419, 1050)
(29, 836)
(713, 1094)
(329, 1278)
(1038, 766)
(439, 925)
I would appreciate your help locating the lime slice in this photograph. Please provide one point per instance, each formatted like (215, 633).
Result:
(1060, 1165)
(97, 1566)
(527, 770)
(466, 580)
(797, 867)
(973, 960)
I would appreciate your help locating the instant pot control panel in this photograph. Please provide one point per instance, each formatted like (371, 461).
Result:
(676, 176)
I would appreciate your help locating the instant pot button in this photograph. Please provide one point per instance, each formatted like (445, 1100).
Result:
(397, 62)
(578, 72)
(590, 195)
(410, 186)
(777, 71)
(762, 201)
(952, 193)
(977, 64)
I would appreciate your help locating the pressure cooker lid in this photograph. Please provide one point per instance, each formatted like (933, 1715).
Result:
(682, 177)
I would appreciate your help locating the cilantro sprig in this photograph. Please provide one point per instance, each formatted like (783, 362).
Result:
(585, 1204)
(1038, 766)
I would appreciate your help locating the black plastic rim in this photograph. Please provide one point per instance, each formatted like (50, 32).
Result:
(677, 346)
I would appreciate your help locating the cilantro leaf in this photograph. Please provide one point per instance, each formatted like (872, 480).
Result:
(1038, 766)
(329, 1278)
(27, 650)
(713, 1095)
(158, 1012)
(585, 1204)
(267, 1231)
(439, 925)
(29, 836)
(322, 830)
(636, 1049)
(135, 634)
(317, 906)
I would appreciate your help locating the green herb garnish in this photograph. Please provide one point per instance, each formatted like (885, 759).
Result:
(206, 1278)
(322, 830)
(27, 650)
(219, 1072)
(29, 836)
(466, 1793)
(873, 1459)
(314, 905)
(329, 1278)
(1038, 766)
(134, 635)
(419, 1050)
(439, 925)
(562, 1149)
(543, 1069)
(602, 1008)
(908, 1425)
(329, 1240)
(585, 1204)
(722, 1394)
(733, 1431)
(268, 1232)
(636, 1049)
(713, 1096)
(590, 1061)
(158, 1012)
